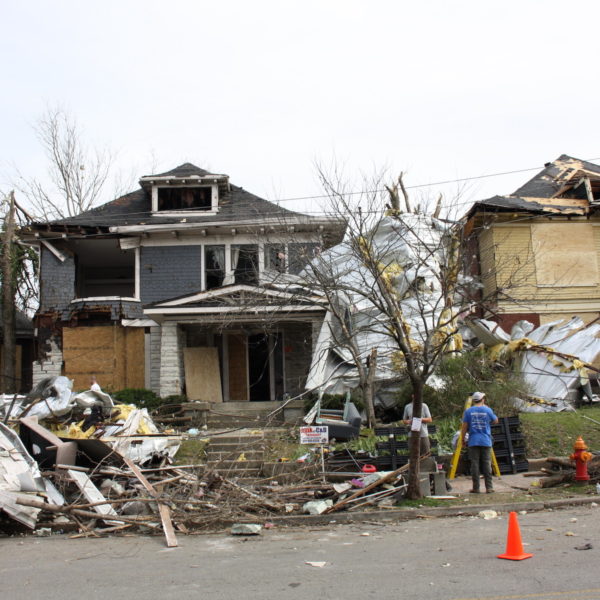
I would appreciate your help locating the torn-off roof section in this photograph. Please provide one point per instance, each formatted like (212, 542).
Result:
(554, 176)
(531, 205)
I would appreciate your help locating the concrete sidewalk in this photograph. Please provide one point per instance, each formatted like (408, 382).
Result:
(502, 485)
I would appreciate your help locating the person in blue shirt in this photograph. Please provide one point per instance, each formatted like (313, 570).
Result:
(476, 422)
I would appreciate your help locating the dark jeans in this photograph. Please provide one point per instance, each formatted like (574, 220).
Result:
(481, 462)
(424, 443)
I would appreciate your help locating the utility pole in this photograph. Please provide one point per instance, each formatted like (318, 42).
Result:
(8, 301)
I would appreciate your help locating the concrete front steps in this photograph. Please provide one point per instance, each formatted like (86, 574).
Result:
(239, 454)
(231, 415)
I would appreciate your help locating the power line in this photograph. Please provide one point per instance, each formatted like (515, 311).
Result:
(253, 213)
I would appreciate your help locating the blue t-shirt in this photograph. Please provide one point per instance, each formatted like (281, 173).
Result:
(479, 419)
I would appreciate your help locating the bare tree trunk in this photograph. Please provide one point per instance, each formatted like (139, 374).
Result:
(413, 491)
(8, 303)
(368, 388)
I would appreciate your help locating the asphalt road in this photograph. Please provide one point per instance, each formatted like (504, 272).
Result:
(450, 559)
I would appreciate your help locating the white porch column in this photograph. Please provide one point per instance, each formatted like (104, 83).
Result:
(171, 360)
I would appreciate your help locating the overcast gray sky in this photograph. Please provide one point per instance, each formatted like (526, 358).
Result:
(261, 90)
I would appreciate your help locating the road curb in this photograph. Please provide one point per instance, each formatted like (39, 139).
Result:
(406, 514)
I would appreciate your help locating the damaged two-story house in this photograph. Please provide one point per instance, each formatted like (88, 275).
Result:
(537, 250)
(170, 288)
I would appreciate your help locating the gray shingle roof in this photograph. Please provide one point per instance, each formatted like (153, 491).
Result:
(184, 170)
(235, 204)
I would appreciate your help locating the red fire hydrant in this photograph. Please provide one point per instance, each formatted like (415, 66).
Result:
(581, 457)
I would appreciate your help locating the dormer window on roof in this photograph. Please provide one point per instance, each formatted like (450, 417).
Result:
(184, 194)
(183, 198)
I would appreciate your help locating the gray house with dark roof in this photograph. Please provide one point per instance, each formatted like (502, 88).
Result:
(175, 287)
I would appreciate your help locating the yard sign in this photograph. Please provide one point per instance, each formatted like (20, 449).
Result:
(314, 434)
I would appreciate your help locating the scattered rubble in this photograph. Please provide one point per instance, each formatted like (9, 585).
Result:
(246, 529)
(562, 472)
(70, 472)
(554, 359)
(488, 515)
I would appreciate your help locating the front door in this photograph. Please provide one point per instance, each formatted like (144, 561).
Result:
(254, 367)
(237, 348)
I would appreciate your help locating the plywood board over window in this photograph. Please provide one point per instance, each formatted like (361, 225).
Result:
(564, 254)
(114, 354)
(202, 374)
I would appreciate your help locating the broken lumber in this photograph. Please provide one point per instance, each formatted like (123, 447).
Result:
(553, 480)
(563, 462)
(263, 501)
(163, 510)
(55, 508)
(93, 495)
(381, 481)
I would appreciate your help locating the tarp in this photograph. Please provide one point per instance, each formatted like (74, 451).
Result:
(411, 250)
(551, 358)
(19, 474)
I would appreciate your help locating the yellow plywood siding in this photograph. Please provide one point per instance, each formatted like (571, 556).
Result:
(550, 268)
(515, 269)
(565, 255)
(487, 261)
(114, 354)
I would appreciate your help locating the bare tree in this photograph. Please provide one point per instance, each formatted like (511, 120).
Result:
(76, 174)
(8, 306)
(394, 287)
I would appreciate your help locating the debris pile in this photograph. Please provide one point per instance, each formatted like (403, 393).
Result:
(87, 486)
(562, 472)
(92, 415)
(554, 359)
(415, 249)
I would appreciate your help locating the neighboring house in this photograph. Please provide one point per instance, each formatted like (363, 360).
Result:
(537, 250)
(24, 350)
(166, 288)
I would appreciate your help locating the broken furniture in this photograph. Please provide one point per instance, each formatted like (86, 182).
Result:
(343, 425)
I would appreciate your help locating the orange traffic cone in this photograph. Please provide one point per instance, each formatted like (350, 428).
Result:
(514, 546)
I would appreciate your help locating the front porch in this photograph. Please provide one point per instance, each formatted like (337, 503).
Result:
(239, 343)
(234, 365)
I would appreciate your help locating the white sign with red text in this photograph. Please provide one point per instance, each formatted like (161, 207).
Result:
(314, 434)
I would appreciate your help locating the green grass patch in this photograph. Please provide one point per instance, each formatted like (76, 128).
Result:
(553, 434)
(191, 452)
(421, 502)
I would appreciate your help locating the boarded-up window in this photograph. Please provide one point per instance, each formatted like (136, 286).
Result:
(565, 254)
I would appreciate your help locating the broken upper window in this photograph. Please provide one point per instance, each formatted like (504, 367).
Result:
(103, 269)
(185, 198)
(214, 266)
(244, 263)
(300, 254)
(275, 257)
